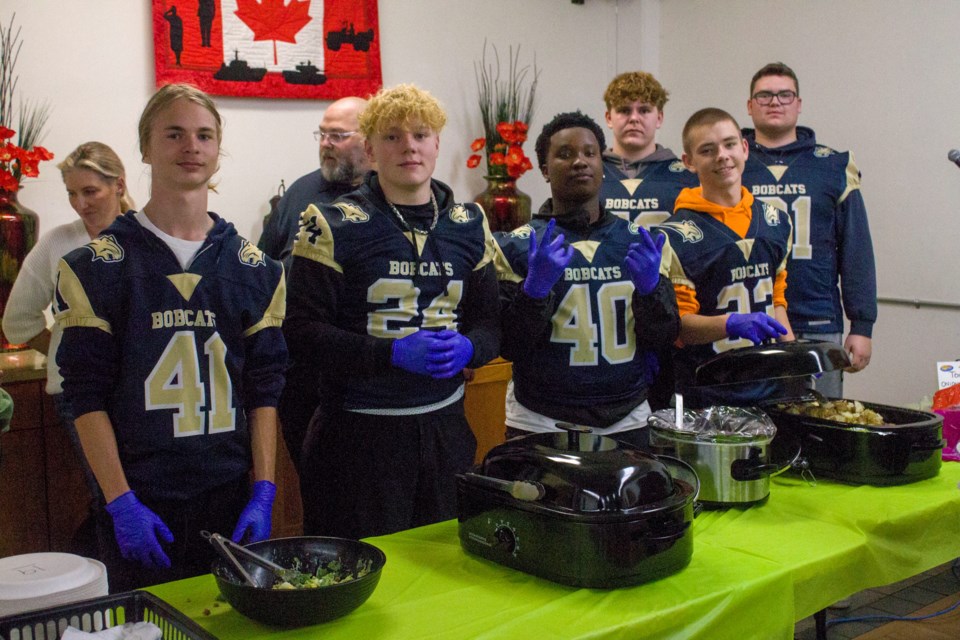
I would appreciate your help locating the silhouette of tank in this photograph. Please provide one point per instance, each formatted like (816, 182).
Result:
(306, 73)
(239, 71)
(360, 40)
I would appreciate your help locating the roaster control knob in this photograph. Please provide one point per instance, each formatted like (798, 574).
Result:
(506, 538)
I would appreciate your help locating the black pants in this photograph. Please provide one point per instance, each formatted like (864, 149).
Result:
(190, 555)
(367, 475)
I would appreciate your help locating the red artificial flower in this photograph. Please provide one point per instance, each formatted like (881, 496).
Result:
(515, 155)
(7, 181)
(478, 144)
(497, 158)
(17, 163)
(507, 132)
(474, 161)
(41, 153)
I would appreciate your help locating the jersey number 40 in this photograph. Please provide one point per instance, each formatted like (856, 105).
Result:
(611, 335)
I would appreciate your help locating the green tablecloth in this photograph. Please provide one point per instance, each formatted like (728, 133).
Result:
(754, 572)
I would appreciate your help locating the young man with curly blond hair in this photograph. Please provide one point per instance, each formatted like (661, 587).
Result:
(641, 178)
(391, 294)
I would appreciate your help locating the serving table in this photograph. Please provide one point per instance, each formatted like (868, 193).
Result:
(753, 574)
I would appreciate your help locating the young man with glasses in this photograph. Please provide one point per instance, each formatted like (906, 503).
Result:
(820, 189)
(343, 164)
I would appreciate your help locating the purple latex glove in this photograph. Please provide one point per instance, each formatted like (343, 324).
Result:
(136, 529)
(545, 262)
(450, 354)
(254, 522)
(643, 261)
(410, 352)
(755, 327)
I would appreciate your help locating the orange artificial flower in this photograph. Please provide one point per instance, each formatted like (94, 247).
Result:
(474, 161)
(478, 144)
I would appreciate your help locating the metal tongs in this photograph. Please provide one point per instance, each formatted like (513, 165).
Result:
(227, 548)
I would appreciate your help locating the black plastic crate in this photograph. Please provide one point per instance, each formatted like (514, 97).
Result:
(101, 613)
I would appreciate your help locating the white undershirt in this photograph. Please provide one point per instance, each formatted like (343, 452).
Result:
(185, 250)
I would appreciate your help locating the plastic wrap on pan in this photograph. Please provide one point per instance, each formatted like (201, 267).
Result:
(718, 423)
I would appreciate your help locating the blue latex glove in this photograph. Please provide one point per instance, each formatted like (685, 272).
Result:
(643, 261)
(545, 262)
(254, 522)
(451, 353)
(137, 530)
(755, 327)
(410, 352)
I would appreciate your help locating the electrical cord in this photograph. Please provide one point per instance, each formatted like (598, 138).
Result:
(837, 621)
(954, 569)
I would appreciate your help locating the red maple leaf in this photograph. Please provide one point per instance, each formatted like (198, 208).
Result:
(273, 20)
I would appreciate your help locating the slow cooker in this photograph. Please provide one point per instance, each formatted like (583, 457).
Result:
(905, 449)
(729, 449)
(579, 509)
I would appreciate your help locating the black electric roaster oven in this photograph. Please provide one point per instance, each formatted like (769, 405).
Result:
(579, 509)
(906, 448)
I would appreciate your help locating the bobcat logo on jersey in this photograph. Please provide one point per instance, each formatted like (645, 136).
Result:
(106, 248)
(352, 213)
(250, 255)
(460, 214)
(522, 232)
(688, 229)
(633, 228)
(771, 215)
(677, 166)
(823, 152)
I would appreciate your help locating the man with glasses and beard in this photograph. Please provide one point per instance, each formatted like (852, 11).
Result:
(820, 189)
(343, 164)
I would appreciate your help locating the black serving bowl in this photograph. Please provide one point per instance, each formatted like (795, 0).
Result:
(301, 607)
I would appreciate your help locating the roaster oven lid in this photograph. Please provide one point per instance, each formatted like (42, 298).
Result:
(583, 472)
(769, 361)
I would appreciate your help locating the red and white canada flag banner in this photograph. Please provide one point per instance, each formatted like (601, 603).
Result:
(322, 49)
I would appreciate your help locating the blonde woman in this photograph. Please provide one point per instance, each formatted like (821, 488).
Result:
(173, 358)
(96, 187)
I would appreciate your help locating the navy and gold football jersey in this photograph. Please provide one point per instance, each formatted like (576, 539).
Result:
(820, 189)
(175, 357)
(729, 274)
(647, 199)
(383, 283)
(586, 356)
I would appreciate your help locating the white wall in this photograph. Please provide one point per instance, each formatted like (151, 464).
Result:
(878, 77)
(93, 60)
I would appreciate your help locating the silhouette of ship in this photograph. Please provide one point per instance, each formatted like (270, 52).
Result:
(239, 71)
(306, 73)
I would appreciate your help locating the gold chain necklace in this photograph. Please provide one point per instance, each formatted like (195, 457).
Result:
(408, 227)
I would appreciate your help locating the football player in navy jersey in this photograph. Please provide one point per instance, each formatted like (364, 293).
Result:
(641, 178)
(728, 254)
(583, 298)
(831, 265)
(172, 358)
(392, 293)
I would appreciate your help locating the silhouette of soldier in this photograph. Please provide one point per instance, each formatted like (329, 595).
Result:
(176, 32)
(207, 11)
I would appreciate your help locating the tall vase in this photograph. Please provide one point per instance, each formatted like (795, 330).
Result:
(506, 206)
(18, 233)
